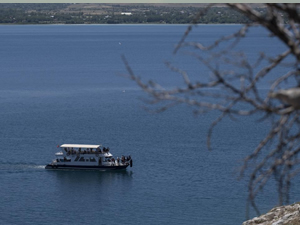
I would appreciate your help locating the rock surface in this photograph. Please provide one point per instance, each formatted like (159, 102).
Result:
(282, 215)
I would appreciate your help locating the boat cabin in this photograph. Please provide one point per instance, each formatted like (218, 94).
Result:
(87, 157)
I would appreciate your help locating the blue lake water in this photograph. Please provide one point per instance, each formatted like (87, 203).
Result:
(64, 84)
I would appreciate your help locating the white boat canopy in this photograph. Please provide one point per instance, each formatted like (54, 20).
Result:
(79, 146)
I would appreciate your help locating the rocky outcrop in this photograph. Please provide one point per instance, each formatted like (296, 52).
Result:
(282, 215)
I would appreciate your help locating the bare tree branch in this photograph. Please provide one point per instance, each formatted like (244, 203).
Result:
(276, 154)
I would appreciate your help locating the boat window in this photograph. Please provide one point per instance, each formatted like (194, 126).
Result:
(107, 159)
(82, 159)
(87, 160)
(92, 159)
(77, 158)
(65, 160)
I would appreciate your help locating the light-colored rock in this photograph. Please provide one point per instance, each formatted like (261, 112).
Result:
(282, 215)
(290, 96)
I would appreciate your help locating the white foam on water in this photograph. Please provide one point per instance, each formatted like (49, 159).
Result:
(39, 167)
(9, 166)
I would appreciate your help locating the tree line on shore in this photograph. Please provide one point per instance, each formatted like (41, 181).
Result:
(115, 14)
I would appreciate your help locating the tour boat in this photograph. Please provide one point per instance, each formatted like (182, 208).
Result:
(93, 157)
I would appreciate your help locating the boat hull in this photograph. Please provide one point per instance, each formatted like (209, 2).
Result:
(73, 167)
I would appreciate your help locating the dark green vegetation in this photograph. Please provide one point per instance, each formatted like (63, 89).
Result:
(114, 14)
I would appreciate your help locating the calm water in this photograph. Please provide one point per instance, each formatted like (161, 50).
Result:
(64, 84)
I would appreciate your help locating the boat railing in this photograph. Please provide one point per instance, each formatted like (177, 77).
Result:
(78, 152)
(124, 160)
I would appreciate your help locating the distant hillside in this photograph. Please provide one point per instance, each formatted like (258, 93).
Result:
(123, 13)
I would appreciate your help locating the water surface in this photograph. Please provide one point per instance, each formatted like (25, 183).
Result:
(64, 84)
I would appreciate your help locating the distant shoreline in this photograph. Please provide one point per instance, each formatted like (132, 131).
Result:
(133, 24)
(125, 14)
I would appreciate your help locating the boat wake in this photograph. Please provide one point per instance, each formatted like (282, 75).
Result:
(39, 167)
(20, 167)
